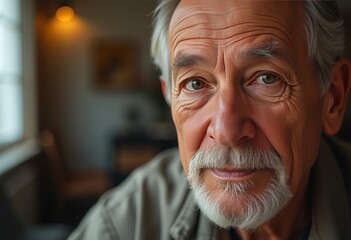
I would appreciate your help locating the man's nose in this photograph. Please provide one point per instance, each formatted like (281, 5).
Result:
(231, 124)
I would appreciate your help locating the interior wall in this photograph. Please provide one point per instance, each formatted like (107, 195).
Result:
(85, 117)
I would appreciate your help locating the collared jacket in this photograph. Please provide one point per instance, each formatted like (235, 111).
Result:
(155, 202)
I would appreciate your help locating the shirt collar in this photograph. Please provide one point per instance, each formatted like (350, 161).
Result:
(191, 222)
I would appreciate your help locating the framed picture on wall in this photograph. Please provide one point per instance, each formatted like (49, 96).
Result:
(115, 64)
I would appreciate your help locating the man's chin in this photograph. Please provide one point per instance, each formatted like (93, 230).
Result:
(231, 200)
(232, 207)
(231, 197)
(241, 207)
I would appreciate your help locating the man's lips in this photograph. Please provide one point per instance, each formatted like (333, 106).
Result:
(231, 173)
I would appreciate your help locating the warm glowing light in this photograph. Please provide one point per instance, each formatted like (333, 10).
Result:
(65, 14)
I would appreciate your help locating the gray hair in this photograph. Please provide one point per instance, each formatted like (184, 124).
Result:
(324, 32)
(159, 40)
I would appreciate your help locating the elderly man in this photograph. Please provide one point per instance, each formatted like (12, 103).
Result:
(253, 86)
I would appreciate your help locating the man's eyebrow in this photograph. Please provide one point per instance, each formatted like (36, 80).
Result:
(270, 49)
(185, 61)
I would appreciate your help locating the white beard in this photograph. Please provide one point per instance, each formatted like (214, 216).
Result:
(259, 207)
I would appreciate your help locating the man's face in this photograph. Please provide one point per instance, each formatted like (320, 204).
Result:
(242, 78)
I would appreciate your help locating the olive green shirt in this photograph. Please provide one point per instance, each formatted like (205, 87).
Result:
(155, 202)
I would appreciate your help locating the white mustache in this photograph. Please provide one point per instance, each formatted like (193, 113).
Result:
(245, 158)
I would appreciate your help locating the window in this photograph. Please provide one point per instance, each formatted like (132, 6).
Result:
(11, 72)
(18, 108)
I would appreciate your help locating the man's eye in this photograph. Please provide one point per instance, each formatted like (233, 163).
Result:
(195, 84)
(268, 78)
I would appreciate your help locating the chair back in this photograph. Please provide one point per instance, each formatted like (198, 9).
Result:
(10, 227)
(51, 152)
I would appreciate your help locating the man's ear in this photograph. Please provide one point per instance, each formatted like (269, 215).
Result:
(165, 91)
(336, 97)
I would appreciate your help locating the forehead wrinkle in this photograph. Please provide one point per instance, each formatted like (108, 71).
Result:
(194, 18)
(228, 35)
(206, 21)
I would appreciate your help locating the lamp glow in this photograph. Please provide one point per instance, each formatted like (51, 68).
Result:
(65, 14)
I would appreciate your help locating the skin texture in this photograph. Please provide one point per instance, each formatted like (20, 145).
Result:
(241, 76)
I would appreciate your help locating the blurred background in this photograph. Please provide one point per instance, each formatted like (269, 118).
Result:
(80, 107)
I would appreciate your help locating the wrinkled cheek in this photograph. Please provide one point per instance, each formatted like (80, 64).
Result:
(305, 142)
(180, 119)
(191, 132)
(178, 115)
